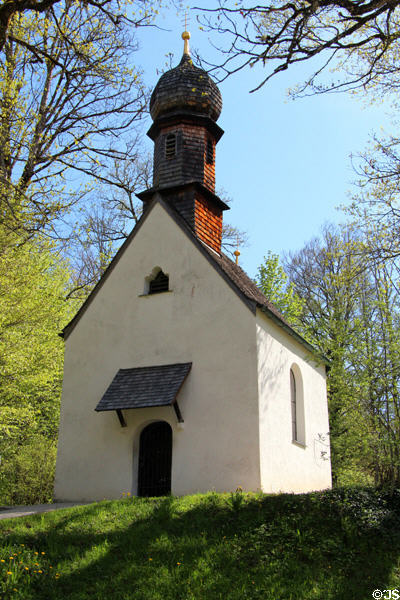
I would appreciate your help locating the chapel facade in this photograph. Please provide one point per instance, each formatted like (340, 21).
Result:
(180, 376)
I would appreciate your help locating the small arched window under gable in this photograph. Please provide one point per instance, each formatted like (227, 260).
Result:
(158, 282)
(297, 406)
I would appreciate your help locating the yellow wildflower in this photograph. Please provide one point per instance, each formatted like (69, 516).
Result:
(9, 572)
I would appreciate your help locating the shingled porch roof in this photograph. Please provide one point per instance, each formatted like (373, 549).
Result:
(145, 387)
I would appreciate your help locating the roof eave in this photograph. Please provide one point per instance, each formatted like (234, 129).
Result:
(293, 333)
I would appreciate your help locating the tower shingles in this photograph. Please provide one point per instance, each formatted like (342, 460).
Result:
(185, 106)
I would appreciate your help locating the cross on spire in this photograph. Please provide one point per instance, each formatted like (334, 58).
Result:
(186, 36)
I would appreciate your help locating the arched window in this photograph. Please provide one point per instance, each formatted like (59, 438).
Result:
(210, 152)
(297, 406)
(293, 404)
(170, 145)
(160, 283)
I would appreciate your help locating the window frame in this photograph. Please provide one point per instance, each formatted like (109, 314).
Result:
(297, 409)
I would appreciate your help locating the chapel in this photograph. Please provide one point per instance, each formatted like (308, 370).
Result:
(179, 375)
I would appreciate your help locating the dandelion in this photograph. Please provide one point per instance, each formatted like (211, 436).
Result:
(26, 568)
(9, 572)
(40, 571)
(36, 564)
(36, 553)
(178, 563)
(150, 559)
(43, 553)
(2, 560)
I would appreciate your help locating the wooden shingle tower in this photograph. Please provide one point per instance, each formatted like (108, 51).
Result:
(185, 106)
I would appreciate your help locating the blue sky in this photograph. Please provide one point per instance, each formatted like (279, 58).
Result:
(285, 164)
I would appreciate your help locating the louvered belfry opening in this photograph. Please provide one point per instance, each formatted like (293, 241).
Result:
(170, 146)
(155, 459)
(160, 283)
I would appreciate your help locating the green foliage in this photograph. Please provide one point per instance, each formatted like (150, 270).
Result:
(27, 476)
(32, 313)
(275, 285)
(236, 499)
(336, 544)
(21, 570)
(352, 314)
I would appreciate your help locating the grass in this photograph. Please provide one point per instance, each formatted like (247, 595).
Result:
(339, 544)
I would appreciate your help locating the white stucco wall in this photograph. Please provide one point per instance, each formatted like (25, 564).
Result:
(287, 466)
(200, 320)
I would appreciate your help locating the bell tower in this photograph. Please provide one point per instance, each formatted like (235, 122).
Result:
(185, 106)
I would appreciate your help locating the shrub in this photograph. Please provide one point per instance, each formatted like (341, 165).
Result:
(27, 477)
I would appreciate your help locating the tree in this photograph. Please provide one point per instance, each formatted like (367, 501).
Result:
(274, 283)
(32, 312)
(69, 102)
(352, 315)
(106, 225)
(358, 38)
(375, 205)
(112, 10)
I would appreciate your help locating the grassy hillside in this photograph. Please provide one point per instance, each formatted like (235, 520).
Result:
(340, 544)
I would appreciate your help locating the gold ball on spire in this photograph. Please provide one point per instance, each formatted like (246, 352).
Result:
(186, 35)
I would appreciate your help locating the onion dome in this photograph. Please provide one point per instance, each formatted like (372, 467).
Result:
(186, 89)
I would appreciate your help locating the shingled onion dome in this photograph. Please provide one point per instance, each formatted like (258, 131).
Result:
(185, 106)
(186, 88)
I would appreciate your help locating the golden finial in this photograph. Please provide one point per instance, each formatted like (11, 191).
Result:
(237, 253)
(186, 38)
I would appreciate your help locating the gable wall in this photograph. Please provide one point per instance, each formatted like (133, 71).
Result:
(286, 466)
(201, 320)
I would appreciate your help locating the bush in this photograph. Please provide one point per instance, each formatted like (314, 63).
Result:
(27, 477)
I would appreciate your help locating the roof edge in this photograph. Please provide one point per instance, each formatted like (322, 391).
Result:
(293, 333)
(71, 325)
(145, 195)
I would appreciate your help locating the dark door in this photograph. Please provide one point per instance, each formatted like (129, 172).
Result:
(155, 456)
